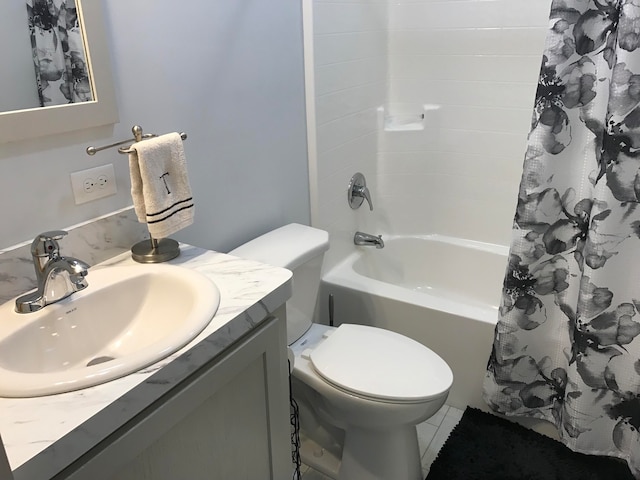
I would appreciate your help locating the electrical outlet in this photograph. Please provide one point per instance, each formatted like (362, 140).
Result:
(88, 184)
(93, 183)
(102, 181)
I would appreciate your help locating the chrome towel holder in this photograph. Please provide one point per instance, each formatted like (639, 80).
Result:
(138, 136)
(154, 250)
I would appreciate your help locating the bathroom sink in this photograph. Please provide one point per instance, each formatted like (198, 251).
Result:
(128, 317)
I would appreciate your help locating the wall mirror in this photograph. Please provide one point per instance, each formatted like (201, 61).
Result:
(21, 113)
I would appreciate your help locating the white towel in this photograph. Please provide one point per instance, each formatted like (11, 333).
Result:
(160, 185)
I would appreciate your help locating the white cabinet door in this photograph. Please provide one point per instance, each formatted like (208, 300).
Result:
(230, 422)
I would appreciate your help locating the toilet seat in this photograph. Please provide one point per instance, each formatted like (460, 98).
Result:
(380, 365)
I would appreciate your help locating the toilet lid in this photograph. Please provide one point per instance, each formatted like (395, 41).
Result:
(380, 364)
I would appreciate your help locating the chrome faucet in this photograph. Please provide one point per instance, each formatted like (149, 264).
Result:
(57, 277)
(366, 239)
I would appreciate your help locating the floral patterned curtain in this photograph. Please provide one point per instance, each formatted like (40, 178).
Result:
(58, 52)
(567, 343)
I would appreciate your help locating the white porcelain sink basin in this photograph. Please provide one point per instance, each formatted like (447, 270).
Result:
(128, 317)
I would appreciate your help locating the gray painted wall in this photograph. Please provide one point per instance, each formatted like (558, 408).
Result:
(230, 74)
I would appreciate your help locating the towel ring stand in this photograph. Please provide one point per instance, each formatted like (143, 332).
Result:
(153, 250)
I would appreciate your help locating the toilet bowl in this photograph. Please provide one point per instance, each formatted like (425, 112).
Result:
(362, 390)
(376, 385)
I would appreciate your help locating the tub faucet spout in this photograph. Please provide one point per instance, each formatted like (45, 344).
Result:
(367, 239)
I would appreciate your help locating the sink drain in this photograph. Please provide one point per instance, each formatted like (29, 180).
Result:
(98, 360)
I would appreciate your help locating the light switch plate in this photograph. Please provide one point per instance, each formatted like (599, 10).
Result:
(93, 183)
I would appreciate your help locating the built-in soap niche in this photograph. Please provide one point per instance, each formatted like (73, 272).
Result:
(93, 241)
(405, 117)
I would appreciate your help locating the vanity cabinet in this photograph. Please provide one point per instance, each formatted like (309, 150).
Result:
(218, 408)
(229, 421)
(5, 468)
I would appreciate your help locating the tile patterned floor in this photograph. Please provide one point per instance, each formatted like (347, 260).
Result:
(431, 436)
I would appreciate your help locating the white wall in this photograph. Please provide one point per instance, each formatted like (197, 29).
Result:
(479, 62)
(350, 42)
(230, 74)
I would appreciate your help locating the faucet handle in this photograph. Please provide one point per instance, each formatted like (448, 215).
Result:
(46, 243)
(357, 192)
(364, 192)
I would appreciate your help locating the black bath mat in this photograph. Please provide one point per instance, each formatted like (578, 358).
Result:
(486, 447)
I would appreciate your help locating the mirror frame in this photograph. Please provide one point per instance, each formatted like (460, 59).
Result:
(102, 110)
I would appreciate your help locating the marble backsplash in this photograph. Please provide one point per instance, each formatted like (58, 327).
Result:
(93, 242)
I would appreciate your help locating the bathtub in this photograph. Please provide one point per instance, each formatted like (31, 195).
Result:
(441, 291)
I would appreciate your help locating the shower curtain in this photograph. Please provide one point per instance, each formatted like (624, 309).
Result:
(567, 343)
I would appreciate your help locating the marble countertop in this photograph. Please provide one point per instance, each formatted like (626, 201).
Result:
(43, 435)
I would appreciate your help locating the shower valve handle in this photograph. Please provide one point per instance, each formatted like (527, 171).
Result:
(364, 193)
(358, 192)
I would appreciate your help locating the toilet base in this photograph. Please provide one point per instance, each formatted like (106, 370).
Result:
(368, 455)
(319, 458)
(381, 455)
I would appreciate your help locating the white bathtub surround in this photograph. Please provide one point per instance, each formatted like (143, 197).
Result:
(350, 83)
(43, 435)
(476, 62)
(440, 291)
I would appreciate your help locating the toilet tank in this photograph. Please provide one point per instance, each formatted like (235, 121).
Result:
(300, 249)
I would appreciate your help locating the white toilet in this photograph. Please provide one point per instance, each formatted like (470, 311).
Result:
(361, 390)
